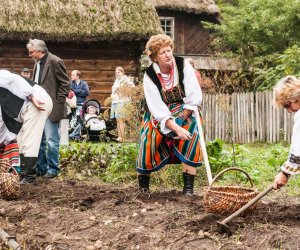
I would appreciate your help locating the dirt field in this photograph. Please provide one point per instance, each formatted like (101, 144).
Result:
(78, 215)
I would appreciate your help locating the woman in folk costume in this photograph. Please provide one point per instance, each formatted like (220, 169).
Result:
(24, 108)
(169, 133)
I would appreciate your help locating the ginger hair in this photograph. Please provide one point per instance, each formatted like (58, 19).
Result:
(156, 42)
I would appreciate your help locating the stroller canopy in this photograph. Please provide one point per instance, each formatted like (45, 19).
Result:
(91, 102)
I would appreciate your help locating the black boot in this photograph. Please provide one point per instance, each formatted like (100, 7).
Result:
(30, 171)
(144, 182)
(188, 184)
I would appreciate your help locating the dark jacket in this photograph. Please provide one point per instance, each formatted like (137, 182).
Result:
(56, 82)
(81, 91)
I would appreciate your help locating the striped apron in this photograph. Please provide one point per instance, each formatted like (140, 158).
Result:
(156, 149)
(11, 152)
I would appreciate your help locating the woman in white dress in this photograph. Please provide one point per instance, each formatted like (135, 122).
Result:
(118, 101)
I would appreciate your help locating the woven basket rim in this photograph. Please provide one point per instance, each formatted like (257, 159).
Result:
(247, 192)
(229, 187)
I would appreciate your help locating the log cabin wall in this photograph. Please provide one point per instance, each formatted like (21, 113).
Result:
(95, 60)
(189, 35)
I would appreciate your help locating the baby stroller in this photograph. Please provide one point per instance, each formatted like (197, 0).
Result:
(89, 125)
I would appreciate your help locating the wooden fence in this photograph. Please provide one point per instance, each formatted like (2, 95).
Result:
(245, 118)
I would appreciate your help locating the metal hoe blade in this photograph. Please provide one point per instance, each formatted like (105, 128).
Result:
(223, 228)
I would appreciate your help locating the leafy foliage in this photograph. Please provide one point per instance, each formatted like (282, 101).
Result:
(259, 27)
(264, 35)
(121, 167)
(218, 158)
(109, 162)
(284, 64)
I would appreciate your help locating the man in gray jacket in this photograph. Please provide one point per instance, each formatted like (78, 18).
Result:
(50, 73)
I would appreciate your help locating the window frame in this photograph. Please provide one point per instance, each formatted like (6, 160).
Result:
(168, 18)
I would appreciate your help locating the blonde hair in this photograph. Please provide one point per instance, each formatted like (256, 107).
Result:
(119, 68)
(77, 72)
(156, 42)
(287, 90)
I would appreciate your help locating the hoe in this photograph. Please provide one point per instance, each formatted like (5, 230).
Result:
(222, 225)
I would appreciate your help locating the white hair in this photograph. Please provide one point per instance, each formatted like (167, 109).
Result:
(37, 44)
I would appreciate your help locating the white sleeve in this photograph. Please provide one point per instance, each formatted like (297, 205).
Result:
(192, 88)
(295, 142)
(15, 84)
(292, 165)
(157, 107)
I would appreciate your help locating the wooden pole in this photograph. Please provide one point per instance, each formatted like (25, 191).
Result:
(203, 148)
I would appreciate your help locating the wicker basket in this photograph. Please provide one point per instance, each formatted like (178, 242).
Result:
(228, 199)
(4, 165)
(9, 182)
(9, 186)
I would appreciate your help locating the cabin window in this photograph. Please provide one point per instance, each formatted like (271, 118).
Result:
(167, 24)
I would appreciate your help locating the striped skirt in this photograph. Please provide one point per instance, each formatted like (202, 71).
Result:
(11, 152)
(156, 149)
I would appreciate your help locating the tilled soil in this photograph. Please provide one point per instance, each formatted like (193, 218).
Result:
(80, 215)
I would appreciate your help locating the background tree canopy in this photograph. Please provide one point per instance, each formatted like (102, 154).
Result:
(264, 35)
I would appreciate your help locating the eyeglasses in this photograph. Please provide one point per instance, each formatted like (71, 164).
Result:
(287, 105)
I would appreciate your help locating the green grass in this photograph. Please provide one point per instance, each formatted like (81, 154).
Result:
(115, 163)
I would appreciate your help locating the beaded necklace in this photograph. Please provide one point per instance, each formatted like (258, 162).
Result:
(167, 81)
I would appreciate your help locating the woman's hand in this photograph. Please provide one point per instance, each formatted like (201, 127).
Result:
(38, 104)
(183, 134)
(280, 180)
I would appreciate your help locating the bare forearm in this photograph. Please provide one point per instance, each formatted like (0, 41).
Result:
(172, 125)
(182, 133)
(186, 113)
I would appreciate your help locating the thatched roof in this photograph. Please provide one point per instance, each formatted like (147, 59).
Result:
(93, 20)
(190, 6)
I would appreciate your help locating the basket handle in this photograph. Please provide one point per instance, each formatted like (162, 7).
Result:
(229, 169)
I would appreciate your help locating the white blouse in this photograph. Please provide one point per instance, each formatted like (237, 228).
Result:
(11, 82)
(292, 165)
(15, 84)
(158, 108)
(18, 86)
